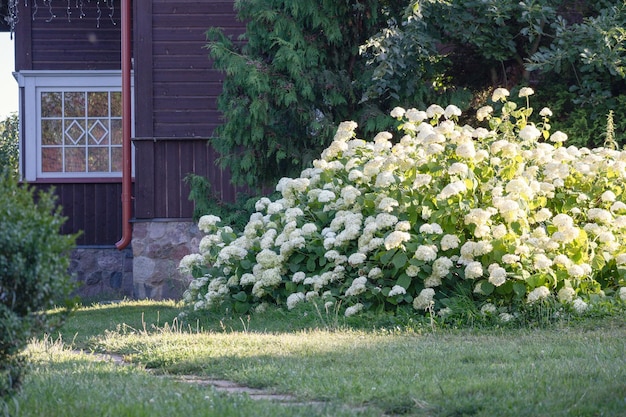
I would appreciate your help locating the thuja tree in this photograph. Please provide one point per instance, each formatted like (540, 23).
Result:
(292, 77)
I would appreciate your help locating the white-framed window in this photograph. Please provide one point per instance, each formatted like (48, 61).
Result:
(72, 124)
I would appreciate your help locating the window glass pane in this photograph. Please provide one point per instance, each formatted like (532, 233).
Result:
(74, 132)
(98, 104)
(51, 132)
(51, 160)
(98, 132)
(116, 132)
(74, 104)
(80, 132)
(99, 159)
(116, 159)
(116, 104)
(51, 105)
(74, 159)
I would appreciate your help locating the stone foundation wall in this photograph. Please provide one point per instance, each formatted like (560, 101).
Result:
(158, 247)
(102, 273)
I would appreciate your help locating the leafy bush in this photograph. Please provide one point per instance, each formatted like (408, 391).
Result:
(9, 148)
(456, 51)
(205, 202)
(504, 216)
(33, 272)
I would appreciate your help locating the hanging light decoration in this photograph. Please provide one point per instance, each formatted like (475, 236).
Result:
(12, 17)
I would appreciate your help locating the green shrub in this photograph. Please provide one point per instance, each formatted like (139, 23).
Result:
(33, 272)
(503, 215)
(205, 202)
(9, 148)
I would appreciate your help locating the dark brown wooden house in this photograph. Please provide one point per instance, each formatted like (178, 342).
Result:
(68, 66)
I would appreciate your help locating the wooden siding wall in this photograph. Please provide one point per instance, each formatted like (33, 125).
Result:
(95, 209)
(62, 43)
(76, 43)
(161, 167)
(175, 109)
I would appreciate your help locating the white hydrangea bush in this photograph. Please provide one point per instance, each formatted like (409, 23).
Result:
(506, 214)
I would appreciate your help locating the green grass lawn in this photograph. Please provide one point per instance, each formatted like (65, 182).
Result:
(568, 368)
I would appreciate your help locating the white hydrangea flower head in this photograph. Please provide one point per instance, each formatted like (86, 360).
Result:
(452, 189)
(397, 112)
(190, 261)
(488, 309)
(449, 242)
(397, 290)
(566, 294)
(434, 110)
(545, 112)
(357, 287)
(579, 305)
(424, 300)
(395, 239)
(387, 204)
(451, 111)
(608, 196)
(529, 133)
(526, 91)
(473, 270)
(357, 258)
(500, 94)
(426, 253)
(352, 310)
(207, 223)
(326, 196)
(497, 275)
(558, 137)
(538, 294)
(415, 116)
(294, 298)
(484, 113)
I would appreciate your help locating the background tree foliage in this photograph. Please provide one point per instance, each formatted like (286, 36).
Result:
(9, 145)
(303, 66)
(571, 52)
(290, 80)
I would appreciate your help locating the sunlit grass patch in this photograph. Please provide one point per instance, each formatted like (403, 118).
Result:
(351, 366)
(63, 383)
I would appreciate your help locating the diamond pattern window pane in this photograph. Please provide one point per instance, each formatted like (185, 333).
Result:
(81, 131)
(98, 132)
(74, 133)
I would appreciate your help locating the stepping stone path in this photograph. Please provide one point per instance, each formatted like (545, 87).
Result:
(218, 385)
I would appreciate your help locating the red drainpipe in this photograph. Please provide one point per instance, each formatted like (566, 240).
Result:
(127, 198)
